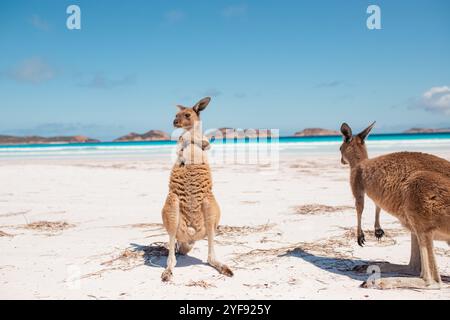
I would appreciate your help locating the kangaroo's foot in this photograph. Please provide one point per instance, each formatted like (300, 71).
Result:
(386, 267)
(405, 283)
(185, 247)
(211, 209)
(361, 238)
(167, 275)
(222, 268)
(171, 260)
(379, 233)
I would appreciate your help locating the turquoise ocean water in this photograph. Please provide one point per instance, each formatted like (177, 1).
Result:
(377, 142)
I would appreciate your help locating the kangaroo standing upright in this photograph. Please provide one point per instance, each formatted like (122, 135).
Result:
(415, 188)
(191, 212)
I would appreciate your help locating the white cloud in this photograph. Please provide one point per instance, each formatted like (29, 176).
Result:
(235, 11)
(39, 23)
(33, 70)
(436, 99)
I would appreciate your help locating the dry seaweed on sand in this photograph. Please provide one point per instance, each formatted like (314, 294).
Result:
(48, 226)
(249, 202)
(127, 256)
(327, 247)
(243, 231)
(387, 240)
(337, 249)
(155, 226)
(442, 252)
(259, 285)
(201, 283)
(131, 258)
(329, 257)
(4, 234)
(315, 208)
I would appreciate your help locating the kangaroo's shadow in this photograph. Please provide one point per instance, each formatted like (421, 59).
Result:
(339, 266)
(343, 266)
(155, 255)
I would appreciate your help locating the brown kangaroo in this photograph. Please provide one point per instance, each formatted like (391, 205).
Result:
(191, 212)
(415, 188)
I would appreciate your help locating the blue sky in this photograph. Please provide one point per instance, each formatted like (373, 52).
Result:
(286, 64)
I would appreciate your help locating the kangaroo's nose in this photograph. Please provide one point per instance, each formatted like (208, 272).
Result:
(175, 122)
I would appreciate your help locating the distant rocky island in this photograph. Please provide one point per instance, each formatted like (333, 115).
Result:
(314, 132)
(5, 140)
(427, 130)
(152, 135)
(158, 135)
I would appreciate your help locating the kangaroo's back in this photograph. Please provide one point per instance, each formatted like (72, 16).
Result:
(396, 167)
(387, 178)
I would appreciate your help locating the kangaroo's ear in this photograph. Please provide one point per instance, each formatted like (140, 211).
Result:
(181, 108)
(365, 133)
(201, 105)
(346, 132)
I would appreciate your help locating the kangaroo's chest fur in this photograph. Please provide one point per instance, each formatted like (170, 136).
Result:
(192, 184)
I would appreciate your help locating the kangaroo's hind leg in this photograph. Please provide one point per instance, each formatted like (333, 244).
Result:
(430, 271)
(429, 277)
(211, 212)
(171, 216)
(379, 233)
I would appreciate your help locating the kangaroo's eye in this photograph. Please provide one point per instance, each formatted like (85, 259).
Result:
(187, 115)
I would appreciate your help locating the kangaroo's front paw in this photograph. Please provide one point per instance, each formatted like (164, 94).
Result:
(361, 239)
(379, 233)
(225, 270)
(166, 275)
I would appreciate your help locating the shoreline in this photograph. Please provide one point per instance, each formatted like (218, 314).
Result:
(219, 152)
(379, 137)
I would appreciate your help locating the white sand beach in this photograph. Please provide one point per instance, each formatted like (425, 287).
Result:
(286, 235)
